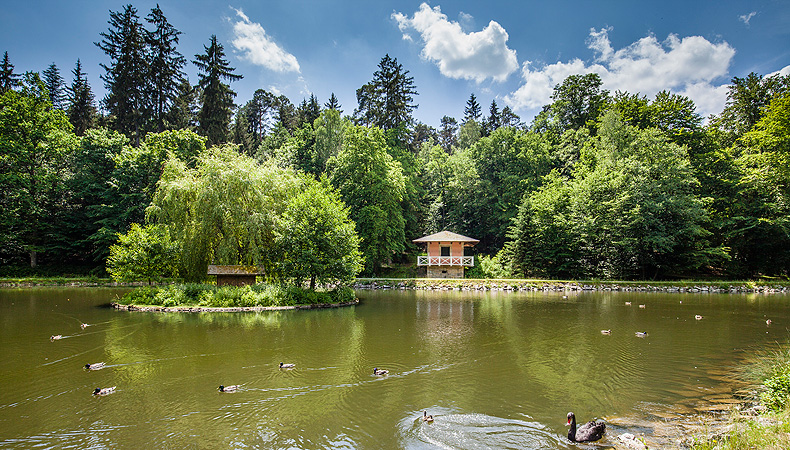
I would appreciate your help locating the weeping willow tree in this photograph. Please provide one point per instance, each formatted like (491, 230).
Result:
(224, 211)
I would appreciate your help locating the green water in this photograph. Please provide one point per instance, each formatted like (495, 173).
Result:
(497, 370)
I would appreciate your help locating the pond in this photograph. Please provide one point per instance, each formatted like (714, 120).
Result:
(497, 370)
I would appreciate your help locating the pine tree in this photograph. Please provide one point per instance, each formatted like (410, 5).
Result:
(472, 110)
(286, 113)
(387, 101)
(55, 86)
(81, 110)
(164, 70)
(8, 79)
(126, 76)
(333, 103)
(509, 118)
(216, 97)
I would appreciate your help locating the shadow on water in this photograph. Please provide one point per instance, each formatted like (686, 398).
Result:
(475, 431)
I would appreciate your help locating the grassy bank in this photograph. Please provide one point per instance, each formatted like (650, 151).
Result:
(211, 296)
(766, 425)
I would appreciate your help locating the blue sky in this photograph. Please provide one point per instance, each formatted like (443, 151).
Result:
(510, 51)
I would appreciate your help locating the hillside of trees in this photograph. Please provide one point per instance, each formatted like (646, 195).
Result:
(600, 184)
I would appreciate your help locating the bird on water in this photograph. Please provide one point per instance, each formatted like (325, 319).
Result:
(590, 431)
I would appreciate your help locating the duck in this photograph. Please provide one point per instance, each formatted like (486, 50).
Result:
(606, 331)
(642, 306)
(768, 322)
(380, 372)
(94, 366)
(627, 303)
(590, 431)
(84, 325)
(641, 334)
(56, 337)
(104, 391)
(287, 366)
(426, 417)
(698, 317)
(231, 388)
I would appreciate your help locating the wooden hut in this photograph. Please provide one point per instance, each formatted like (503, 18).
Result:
(234, 275)
(445, 257)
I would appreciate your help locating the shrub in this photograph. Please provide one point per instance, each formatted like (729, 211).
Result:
(777, 391)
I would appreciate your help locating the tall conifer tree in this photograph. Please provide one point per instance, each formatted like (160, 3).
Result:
(165, 72)
(54, 83)
(81, 110)
(8, 79)
(472, 110)
(387, 100)
(126, 76)
(216, 97)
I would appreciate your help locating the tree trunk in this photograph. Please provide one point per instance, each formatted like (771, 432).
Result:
(33, 259)
(312, 283)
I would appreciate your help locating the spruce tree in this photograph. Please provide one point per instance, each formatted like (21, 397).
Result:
(55, 85)
(126, 78)
(472, 110)
(333, 103)
(8, 79)
(388, 100)
(182, 114)
(81, 110)
(494, 120)
(165, 66)
(308, 111)
(216, 96)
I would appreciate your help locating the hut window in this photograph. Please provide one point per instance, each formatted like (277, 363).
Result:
(445, 251)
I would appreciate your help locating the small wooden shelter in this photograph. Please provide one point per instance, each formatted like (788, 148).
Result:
(445, 257)
(234, 275)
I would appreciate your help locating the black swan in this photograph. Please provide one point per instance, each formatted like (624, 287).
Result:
(590, 431)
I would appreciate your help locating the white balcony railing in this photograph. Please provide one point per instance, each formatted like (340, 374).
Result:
(446, 261)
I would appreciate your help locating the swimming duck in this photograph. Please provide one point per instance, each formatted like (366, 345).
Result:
(642, 306)
(606, 331)
(94, 366)
(287, 366)
(627, 303)
(698, 317)
(56, 337)
(84, 325)
(641, 334)
(768, 322)
(104, 391)
(426, 417)
(380, 372)
(231, 388)
(591, 431)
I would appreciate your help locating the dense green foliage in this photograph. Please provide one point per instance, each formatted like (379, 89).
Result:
(211, 296)
(597, 185)
(144, 252)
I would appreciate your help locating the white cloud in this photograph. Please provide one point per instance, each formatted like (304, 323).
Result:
(747, 17)
(687, 66)
(471, 56)
(784, 71)
(256, 47)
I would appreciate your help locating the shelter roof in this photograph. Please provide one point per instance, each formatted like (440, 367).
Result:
(234, 270)
(446, 236)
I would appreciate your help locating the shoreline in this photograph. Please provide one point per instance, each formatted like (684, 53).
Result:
(470, 284)
(154, 308)
(515, 285)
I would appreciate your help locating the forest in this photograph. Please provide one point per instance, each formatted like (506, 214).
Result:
(604, 185)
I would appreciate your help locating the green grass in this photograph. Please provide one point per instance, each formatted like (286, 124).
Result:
(211, 296)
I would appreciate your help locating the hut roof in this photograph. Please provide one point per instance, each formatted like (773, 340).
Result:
(446, 236)
(234, 270)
